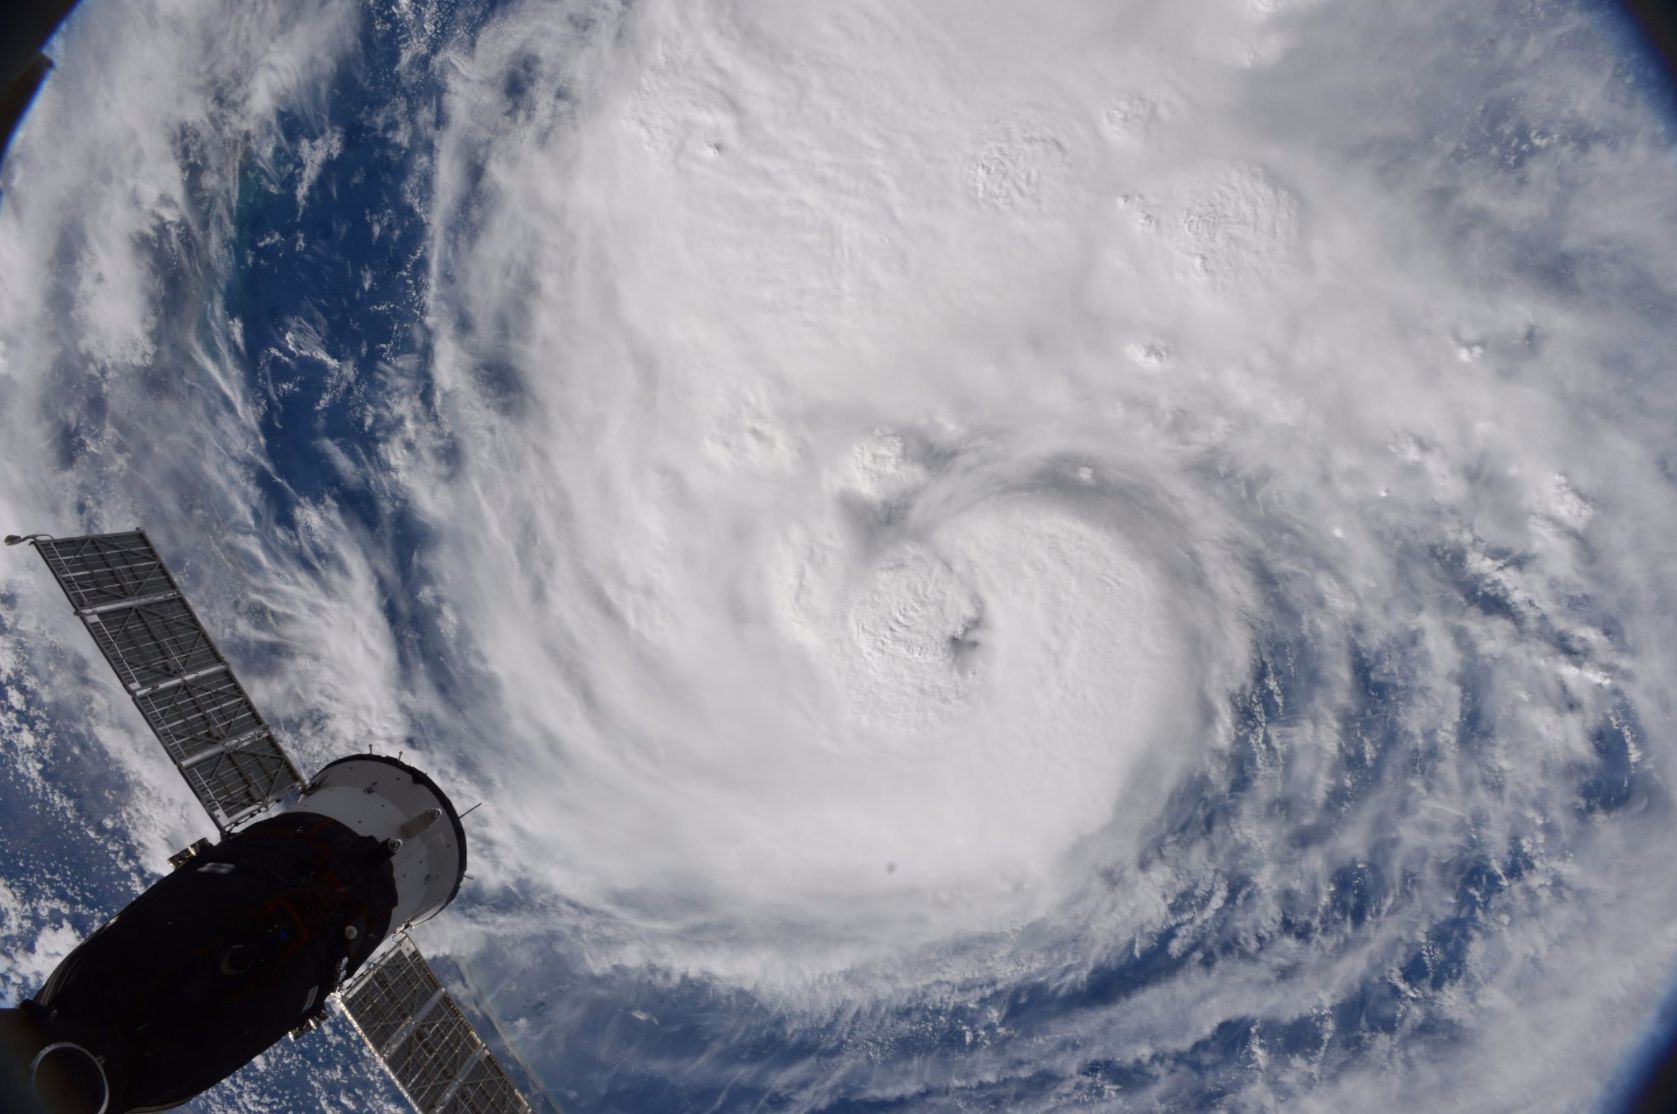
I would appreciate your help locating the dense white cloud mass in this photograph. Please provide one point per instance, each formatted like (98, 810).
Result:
(1031, 555)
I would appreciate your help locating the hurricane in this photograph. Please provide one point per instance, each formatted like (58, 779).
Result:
(978, 556)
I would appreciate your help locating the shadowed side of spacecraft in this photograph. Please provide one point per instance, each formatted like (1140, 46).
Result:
(25, 27)
(252, 936)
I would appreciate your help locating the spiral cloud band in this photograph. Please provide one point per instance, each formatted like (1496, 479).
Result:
(985, 556)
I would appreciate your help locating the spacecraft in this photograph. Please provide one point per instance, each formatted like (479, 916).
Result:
(24, 31)
(305, 900)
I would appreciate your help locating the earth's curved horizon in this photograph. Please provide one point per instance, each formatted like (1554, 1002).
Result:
(1110, 556)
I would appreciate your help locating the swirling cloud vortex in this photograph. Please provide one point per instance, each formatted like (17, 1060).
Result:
(1158, 515)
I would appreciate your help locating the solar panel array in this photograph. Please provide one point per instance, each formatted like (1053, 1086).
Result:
(188, 695)
(178, 679)
(423, 1039)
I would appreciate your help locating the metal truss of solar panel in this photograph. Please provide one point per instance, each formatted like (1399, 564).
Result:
(424, 1041)
(171, 668)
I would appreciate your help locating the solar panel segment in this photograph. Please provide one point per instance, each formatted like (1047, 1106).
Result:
(153, 643)
(424, 1040)
(100, 569)
(171, 668)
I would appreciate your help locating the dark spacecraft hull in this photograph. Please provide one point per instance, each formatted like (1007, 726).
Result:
(24, 31)
(214, 962)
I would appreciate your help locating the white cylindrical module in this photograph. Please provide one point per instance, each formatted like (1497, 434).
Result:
(391, 801)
